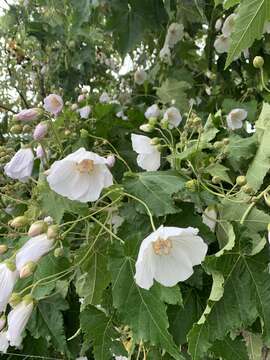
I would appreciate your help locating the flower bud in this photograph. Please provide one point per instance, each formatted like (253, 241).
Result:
(28, 269)
(40, 131)
(3, 249)
(16, 129)
(226, 141)
(37, 228)
(241, 180)
(27, 129)
(81, 98)
(196, 121)
(58, 252)
(216, 180)
(74, 107)
(192, 185)
(267, 199)
(84, 133)
(28, 114)
(52, 231)
(110, 161)
(40, 152)
(15, 299)
(146, 128)
(247, 189)
(18, 222)
(48, 220)
(218, 144)
(152, 121)
(155, 141)
(2, 322)
(258, 62)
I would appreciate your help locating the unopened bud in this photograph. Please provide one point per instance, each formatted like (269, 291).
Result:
(218, 144)
(146, 128)
(81, 97)
(155, 141)
(84, 133)
(216, 180)
(110, 161)
(196, 121)
(2, 322)
(247, 189)
(3, 249)
(16, 129)
(58, 252)
(241, 180)
(37, 228)
(192, 185)
(267, 199)
(28, 269)
(40, 131)
(226, 141)
(27, 129)
(74, 107)
(152, 121)
(15, 299)
(18, 222)
(258, 62)
(53, 231)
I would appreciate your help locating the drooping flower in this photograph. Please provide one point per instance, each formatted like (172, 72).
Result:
(104, 98)
(33, 250)
(222, 44)
(175, 33)
(84, 111)
(28, 114)
(4, 344)
(209, 217)
(80, 176)
(17, 320)
(148, 155)
(173, 116)
(21, 165)
(235, 118)
(53, 103)
(140, 76)
(168, 256)
(8, 278)
(40, 153)
(228, 25)
(40, 130)
(152, 112)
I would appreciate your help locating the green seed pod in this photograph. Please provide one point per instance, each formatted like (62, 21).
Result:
(247, 189)
(216, 180)
(258, 62)
(241, 180)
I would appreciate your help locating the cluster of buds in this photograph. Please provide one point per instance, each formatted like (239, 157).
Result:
(245, 187)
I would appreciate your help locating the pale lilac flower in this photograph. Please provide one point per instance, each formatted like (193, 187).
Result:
(84, 111)
(148, 156)
(53, 104)
(28, 114)
(40, 131)
(21, 165)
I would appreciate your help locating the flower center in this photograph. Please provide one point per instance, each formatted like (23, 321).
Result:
(162, 247)
(85, 166)
(234, 116)
(55, 102)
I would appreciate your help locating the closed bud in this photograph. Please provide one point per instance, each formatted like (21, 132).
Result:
(196, 121)
(241, 180)
(58, 252)
(16, 129)
(152, 121)
(27, 129)
(15, 299)
(84, 133)
(110, 161)
(218, 144)
(18, 222)
(267, 199)
(155, 141)
(53, 231)
(226, 141)
(28, 269)
(74, 107)
(247, 189)
(67, 132)
(192, 185)
(258, 62)
(216, 180)
(40, 131)
(146, 128)
(3, 249)
(37, 228)
(2, 322)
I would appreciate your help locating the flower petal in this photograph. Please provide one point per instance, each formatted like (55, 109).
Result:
(141, 144)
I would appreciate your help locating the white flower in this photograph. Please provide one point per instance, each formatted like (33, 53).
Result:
(8, 278)
(173, 116)
(21, 165)
(174, 34)
(209, 217)
(218, 24)
(33, 250)
(53, 103)
(84, 111)
(165, 54)
(104, 98)
(17, 321)
(120, 114)
(80, 176)
(228, 25)
(140, 76)
(149, 157)
(235, 118)
(152, 112)
(222, 44)
(168, 256)
(4, 344)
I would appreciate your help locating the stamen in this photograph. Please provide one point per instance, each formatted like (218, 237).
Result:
(85, 166)
(162, 247)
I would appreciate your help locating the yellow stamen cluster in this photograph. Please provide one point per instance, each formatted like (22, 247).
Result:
(85, 166)
(162, 247)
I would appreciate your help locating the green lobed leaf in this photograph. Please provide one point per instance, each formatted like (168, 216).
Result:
(228, 349)
(172, 89)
